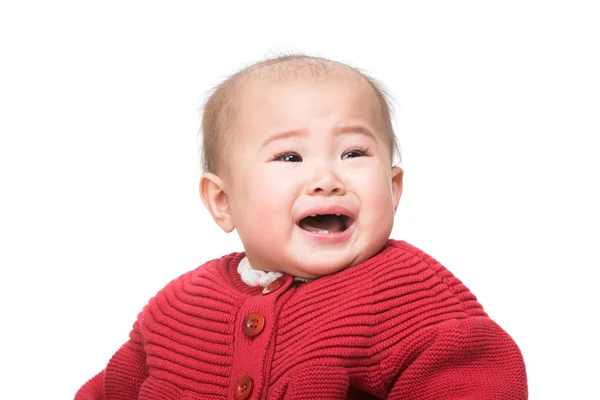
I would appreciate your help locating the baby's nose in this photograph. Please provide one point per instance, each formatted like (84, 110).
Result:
(326, 182)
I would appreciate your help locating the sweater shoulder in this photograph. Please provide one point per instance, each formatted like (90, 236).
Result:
(431, 276)
(211, 282)
(197, 275)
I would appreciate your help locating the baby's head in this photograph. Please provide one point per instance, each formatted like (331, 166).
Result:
(298, 158)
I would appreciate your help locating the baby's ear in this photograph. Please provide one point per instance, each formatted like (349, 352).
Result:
(397, 176)
(212, 193)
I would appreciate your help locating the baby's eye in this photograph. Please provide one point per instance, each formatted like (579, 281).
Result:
(354, 153)
(288, 157)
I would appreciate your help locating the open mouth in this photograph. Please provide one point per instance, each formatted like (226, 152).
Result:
(326, 224)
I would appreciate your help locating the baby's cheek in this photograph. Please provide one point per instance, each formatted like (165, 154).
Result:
(376, 192)
(267, 203)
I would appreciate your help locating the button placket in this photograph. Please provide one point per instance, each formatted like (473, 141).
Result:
(253, 339)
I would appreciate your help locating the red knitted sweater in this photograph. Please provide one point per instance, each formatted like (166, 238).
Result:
(397, 326)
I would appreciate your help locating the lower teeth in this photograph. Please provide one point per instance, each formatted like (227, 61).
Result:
(323, 232)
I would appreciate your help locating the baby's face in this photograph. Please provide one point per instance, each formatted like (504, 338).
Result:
(311, 186)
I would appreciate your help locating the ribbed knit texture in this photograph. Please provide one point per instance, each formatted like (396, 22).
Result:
(397, 326)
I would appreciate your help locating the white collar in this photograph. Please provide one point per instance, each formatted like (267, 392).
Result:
(254, 277)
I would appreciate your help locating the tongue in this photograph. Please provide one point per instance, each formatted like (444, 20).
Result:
(320, 223)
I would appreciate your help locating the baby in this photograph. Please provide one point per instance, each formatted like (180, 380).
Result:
(322, 304)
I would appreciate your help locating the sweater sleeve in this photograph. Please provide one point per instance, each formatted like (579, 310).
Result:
(471, 358)
(124, 374)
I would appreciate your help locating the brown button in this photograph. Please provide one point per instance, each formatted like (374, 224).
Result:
(273, 286)
(253, 324)
(243, 388)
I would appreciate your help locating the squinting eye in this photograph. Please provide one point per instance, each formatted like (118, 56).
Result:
(354, 153)
(288, 157)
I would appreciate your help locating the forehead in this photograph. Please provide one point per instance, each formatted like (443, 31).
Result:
(265, 106)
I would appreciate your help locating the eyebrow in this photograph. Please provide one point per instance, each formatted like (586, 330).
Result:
(363, 130)
(337, 131)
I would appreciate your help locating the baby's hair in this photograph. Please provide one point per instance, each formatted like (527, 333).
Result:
(219, 111)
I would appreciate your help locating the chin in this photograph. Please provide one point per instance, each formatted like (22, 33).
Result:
(318, 268)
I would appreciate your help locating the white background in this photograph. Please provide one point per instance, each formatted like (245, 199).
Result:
(498, 120)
